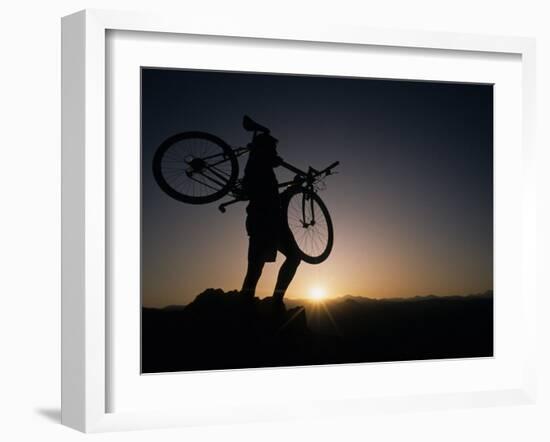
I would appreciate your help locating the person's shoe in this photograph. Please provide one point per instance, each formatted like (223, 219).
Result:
(271, 306)
(246, 296)
(278, 305)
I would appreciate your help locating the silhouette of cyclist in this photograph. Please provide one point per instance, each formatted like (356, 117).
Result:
(266, 227)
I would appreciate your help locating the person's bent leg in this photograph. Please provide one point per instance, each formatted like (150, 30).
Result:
(286, 273)
(253, 273)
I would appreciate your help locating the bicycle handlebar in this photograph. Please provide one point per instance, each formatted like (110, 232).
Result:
(304, 174)
(329, 168)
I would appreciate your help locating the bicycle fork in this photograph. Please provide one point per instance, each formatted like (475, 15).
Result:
(305, 224)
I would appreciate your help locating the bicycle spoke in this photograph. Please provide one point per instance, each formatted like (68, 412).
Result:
(308, 224)
(204, 184)
(218, 175)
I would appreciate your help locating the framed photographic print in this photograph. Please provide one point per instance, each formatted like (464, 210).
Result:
(250, 214)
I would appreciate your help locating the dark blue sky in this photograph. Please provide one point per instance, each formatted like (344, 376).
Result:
(412, 205)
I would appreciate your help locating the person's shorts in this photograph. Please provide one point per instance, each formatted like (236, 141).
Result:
(267, 238)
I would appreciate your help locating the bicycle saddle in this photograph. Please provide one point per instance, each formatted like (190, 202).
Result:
(250, 125)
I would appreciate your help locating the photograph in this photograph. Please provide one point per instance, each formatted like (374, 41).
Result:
(292, 220)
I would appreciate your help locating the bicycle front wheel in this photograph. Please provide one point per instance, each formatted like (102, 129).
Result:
(195, 167)
(310, 224)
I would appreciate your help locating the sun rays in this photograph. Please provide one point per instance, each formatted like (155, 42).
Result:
(318, 308)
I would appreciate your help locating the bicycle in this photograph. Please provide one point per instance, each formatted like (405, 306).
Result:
(199, 168)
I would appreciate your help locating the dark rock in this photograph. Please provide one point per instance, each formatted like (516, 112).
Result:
(226, 330)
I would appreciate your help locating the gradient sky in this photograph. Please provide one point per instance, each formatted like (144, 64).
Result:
(412, 205)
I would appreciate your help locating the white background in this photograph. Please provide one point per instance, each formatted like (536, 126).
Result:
(30, 221)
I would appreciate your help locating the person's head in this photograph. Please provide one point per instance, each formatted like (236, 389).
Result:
(264, 148)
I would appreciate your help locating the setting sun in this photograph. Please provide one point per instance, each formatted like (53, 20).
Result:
(317, 293)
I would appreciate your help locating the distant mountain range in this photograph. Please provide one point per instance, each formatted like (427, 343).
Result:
(361, 299)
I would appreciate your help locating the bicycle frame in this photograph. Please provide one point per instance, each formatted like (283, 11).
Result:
(308, 178)
(202, 165)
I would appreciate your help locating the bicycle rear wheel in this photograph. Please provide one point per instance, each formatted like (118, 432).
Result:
(195, 167)
(310, 224)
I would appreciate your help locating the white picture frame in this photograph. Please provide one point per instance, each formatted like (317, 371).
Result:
(86, 204)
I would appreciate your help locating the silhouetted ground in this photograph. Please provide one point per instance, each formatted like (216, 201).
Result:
(221, 331)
